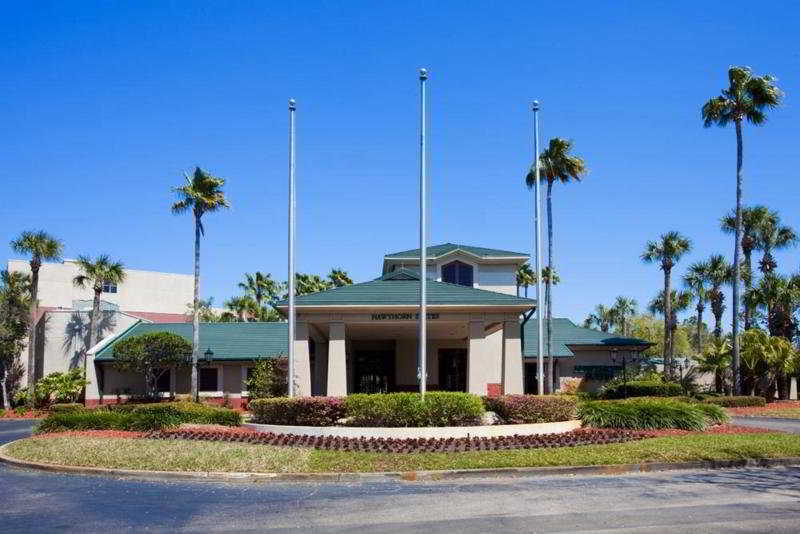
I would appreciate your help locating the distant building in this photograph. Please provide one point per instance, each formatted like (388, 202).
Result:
(62, 325)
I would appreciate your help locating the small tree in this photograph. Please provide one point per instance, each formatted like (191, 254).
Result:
(151, 355)
(269, 378)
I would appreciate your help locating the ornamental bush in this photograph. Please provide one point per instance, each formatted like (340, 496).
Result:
(184, 412)
(310, 411)
(437, 408)
(648, 414)
(736, 402)
(519, 409)
(85, 420)
(66, 407)
(641, 388)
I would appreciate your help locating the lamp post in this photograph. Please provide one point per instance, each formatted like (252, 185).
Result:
(615, 357)
(537, 249)
(291, 274)
(422, 367)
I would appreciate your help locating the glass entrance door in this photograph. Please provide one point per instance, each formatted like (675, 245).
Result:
(374, 371)
(453, 369)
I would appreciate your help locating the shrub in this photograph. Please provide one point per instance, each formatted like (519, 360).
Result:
(641, 388)
(312, 411)
(184, 412)
(66, 407)
(517, 409)
(714, 414)
(643, 414)
(736, 402)
(269, 378)
(439, 408)
(86, 420)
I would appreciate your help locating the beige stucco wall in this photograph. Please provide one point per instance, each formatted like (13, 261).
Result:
(141, 291)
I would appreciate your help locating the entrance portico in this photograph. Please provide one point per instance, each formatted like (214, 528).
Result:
(363, 338)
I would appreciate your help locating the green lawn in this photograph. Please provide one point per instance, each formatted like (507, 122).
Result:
(216, 456)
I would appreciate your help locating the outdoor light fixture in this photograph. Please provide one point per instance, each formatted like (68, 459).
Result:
(209, 354)
(625, 355)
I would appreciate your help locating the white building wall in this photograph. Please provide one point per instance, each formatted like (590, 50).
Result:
(141, 291)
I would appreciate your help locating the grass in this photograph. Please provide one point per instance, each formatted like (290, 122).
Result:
(215, 456)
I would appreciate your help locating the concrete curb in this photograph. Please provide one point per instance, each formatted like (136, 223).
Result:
(454, 474)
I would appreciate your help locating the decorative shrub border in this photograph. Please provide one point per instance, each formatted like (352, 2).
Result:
(537, 441)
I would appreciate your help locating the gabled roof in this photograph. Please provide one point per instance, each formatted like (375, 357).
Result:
(567, 335)
(437, 251)
(228, 341)
(401, 288)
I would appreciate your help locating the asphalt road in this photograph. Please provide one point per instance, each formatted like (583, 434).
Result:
(774, 423)
(745, 500)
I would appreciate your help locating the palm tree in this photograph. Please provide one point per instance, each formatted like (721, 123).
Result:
(41, 246)
(697, 281)
(202, 193)
(752, 218)
(603, 318)
(680, 301)
(770, 235)
(339, 278)
(624, 309)
(667, 251)
(719, 273)
(244, 307)
(260, 286)
(525, 277)
(555, 164)
(716, 359)
(309, 283)
(747, 97)
(780, 296)
(95, 274)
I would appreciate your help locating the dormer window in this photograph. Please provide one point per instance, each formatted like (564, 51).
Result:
(457, 272)
(109, 287)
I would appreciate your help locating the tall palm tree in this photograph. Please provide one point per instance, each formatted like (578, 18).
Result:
(719, 273)
(667, 251)
(555, 164)
(95, 274)
(244, 307)
(525, 277)
(780, 296)
(624, 309)
(679, 301)
(41, 246)
(770, 235)
(697, 281)
(202, 193)
(602, 317)
(339, 278)
(747, 98)
(752, 218)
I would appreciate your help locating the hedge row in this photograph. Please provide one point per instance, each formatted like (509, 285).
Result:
(649, 414)
(389, 410)
(641, 388)
(140, 417)
(521, 409)
(568, 439)
(736, 402)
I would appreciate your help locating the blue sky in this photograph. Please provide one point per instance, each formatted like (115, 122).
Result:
(104, 105)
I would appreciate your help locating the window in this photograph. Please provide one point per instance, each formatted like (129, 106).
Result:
(208, 379)
(457, 272)
(108, 287)
(163, 381)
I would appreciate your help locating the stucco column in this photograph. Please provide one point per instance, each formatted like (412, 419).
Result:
(337, 361)
(92, 396)
(512, 359)
(478, 365)
(302, 360)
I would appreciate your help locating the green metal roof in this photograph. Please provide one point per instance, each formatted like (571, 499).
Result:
(401, 287)
(566, 334)
(229, 341)
(436, 251)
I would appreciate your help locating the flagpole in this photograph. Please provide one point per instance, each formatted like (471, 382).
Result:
(423, 256)
(291, 275)
(538, 252)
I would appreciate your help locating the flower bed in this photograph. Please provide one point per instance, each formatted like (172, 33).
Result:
(569, 439)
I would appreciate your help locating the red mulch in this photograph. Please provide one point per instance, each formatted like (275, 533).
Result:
(764, 410)
(92, 434)
(28, 415)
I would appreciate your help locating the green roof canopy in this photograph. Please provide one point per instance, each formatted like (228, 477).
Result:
(228, 341)
(401, 288)
(436, 251)
(566, 334)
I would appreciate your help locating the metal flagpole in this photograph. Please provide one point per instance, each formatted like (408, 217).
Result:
(292, 107)
(423, 256)
(538, 251)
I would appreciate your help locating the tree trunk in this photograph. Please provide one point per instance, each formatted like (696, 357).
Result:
(700, 327)
(93, 324)
(736, 253)
(3, 389)
(748, 260)
(548, 287)
(196, 314)
(35, 264)
(667, 319)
